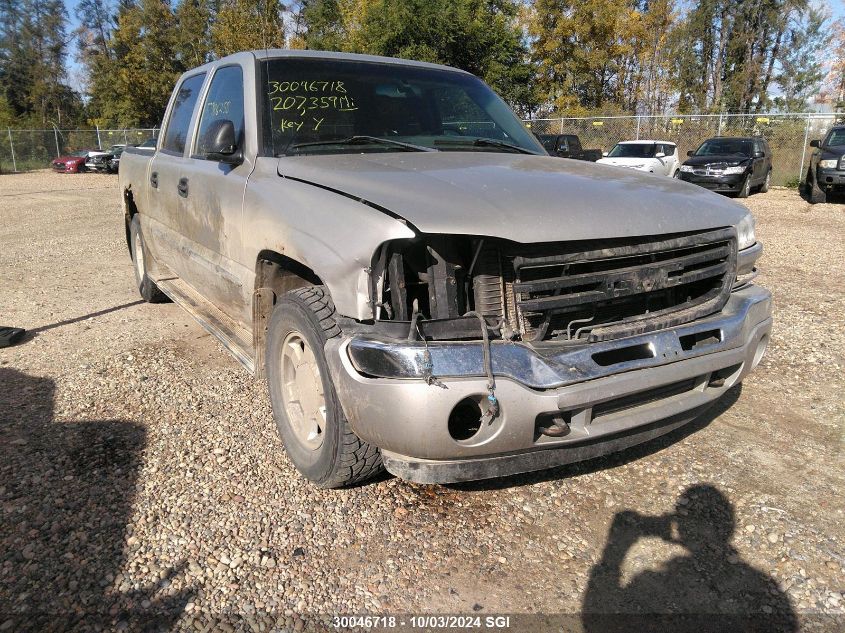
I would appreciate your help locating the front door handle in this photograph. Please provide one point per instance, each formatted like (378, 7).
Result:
(182, 187)
(154, 179)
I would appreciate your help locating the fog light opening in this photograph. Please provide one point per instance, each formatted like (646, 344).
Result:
(552, 424)
(465, 419)
(725, 377)
(762, 345)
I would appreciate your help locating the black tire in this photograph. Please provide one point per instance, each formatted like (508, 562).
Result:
(746, 188)
(146, 286)
(764, 188)
(815, 194)
(677, 174)
(342, 458)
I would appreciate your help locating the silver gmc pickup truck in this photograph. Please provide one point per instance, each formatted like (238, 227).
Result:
(423, 287)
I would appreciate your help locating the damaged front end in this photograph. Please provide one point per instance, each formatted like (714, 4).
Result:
(486, 347)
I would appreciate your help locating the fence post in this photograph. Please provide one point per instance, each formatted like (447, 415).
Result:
(12, 147)
(719, 131)
(638, 127)
(804, 149)
(561, 126)
(99, 142)
(125, 139)
(56, 136)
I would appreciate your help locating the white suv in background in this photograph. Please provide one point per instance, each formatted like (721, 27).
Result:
(656, 157)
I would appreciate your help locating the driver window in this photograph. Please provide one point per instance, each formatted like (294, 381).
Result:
(225, 100)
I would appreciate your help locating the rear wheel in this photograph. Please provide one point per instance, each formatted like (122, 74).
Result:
(146, 286)
(317, 436)
(767, 182)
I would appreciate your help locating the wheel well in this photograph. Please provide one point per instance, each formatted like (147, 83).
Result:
(275, 275)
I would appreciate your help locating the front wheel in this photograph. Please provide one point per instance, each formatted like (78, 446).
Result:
(677, 174)
(746, 188)
(815, 194)
(317, 437)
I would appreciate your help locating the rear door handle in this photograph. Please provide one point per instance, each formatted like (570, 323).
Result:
(182, 187)
(154, 179)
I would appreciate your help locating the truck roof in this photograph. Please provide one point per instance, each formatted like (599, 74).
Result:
(276, 53)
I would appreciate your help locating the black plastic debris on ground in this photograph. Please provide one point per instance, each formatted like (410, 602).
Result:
(10, 335)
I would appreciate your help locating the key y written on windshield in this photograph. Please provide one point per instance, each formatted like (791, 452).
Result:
(305, 105)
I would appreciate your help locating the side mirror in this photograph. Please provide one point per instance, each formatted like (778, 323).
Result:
(660, 155)
(220, 143)
(815, 143)
(604, 154)
(690, 152)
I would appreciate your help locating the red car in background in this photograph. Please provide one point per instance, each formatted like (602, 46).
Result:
(75, 162)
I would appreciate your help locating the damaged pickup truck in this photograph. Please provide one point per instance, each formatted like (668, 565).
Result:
(424, 288)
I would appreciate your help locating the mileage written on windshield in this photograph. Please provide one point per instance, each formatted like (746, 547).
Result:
(295, 99)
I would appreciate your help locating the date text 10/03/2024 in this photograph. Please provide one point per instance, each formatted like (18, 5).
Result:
(298, 98)
(497, 622)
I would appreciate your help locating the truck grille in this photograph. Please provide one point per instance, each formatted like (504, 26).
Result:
(599, 290)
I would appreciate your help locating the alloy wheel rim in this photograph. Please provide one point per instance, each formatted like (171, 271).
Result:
(302, 391)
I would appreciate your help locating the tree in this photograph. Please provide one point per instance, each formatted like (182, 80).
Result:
(33, 78)
(247, 24)
(801, 71)
(480, 36)
(193, 33)
(133, 86)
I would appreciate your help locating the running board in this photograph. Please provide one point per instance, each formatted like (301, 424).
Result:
(234, 338)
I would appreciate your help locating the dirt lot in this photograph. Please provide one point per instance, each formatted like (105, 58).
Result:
(141, 473)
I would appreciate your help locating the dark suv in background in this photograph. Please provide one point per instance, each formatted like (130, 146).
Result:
(734, 165)
(827, 166)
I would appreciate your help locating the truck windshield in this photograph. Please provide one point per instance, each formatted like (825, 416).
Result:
(318, 106)
(632, 150)
(725, 146)
(835, 138)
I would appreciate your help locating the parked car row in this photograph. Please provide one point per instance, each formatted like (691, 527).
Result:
(107, 162)
(732, 165)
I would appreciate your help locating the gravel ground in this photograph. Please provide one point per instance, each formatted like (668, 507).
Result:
(141, 474)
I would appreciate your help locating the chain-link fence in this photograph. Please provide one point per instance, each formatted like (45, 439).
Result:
(23, 150)
(788, 135)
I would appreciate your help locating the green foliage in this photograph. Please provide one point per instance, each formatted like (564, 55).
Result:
(544, 56)
(480, 36)
(247, 24)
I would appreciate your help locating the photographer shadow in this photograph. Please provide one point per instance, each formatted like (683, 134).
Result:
(709, 588)
(67, 490)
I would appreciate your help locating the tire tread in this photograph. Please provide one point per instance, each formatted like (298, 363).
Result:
(358, 460)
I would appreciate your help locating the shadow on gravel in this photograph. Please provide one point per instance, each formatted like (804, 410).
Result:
(67, 490)
(32, 333)
(614, 459)
(707, 589)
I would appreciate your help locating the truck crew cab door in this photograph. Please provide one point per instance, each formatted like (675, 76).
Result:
(161, 222)
(212, 192)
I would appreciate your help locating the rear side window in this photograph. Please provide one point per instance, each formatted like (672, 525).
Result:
(176, 136)
(225, 100)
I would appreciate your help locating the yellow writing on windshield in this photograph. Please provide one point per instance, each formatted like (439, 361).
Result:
(306, 112)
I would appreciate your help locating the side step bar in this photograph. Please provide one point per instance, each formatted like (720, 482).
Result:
(233, 337)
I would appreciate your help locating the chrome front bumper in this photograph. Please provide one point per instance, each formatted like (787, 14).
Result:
(605, 391)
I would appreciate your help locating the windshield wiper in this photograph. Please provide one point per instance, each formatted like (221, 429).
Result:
(487, 142)
(362, 139)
